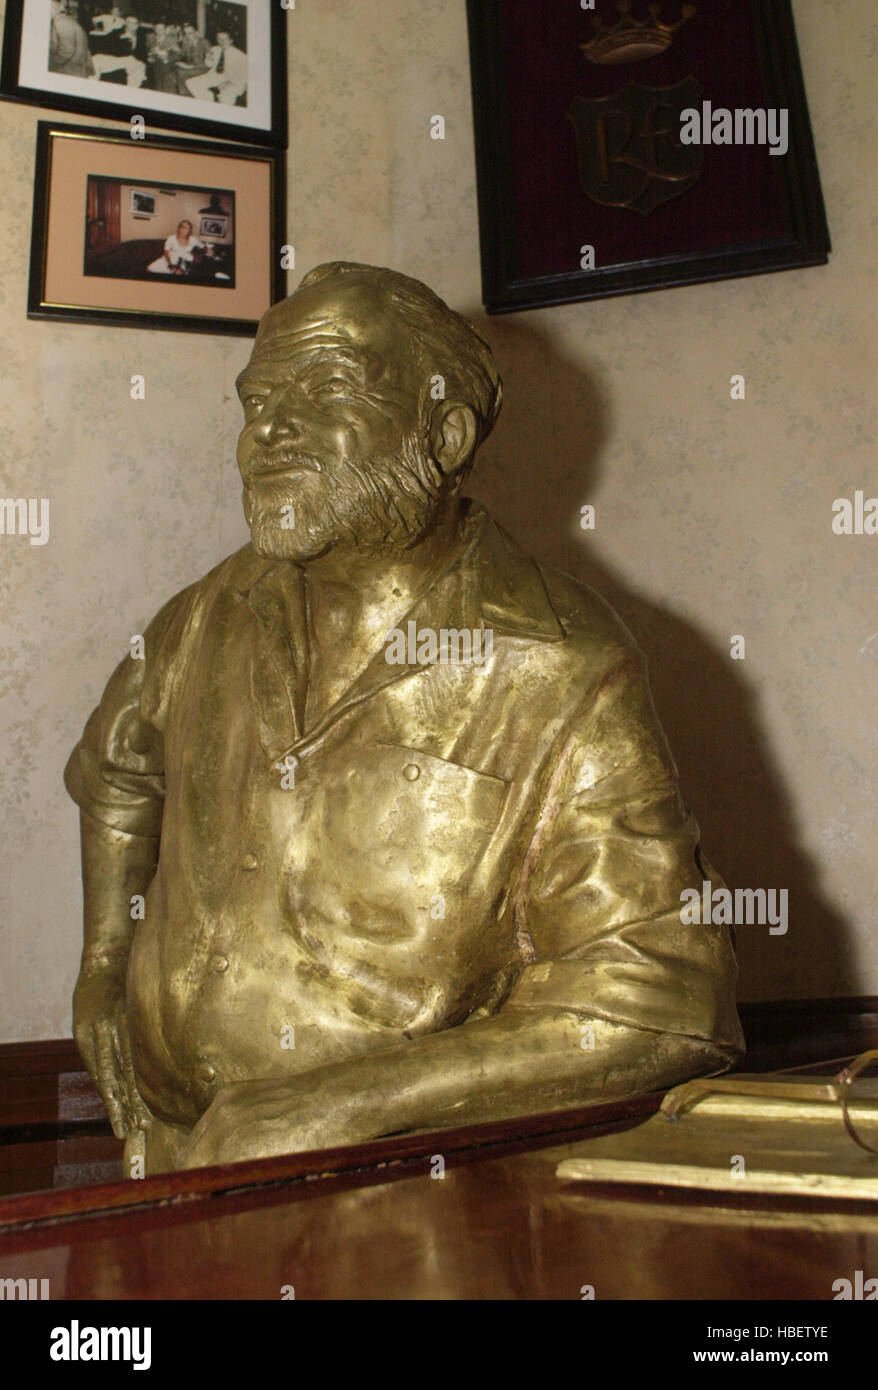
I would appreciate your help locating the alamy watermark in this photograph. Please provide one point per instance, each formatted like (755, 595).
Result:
(25, 516)
(859, 1288)
(745, 907)
(742, 126)
(855, 517)
(76, 1343)
(449, 646)
(24, 1289)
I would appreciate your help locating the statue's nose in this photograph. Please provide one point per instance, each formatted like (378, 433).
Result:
(278, 421)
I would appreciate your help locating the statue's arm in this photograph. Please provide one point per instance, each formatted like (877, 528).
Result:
(516, 1063)
(116, 776)
(600, 899)
(117, 869)
(616, 996)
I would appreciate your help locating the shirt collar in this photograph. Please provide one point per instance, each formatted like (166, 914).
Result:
(508, 591)
(491, 582)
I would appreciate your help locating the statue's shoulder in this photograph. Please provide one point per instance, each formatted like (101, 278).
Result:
(236, 572)
(170, 637)
(593, 629)
(594, 635)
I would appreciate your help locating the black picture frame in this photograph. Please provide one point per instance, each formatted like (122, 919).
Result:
(39, 306)
(119, 106)
(506, 290)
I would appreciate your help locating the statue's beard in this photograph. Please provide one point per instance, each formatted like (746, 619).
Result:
(384, 503)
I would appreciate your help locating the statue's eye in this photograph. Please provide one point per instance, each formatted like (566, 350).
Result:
(252, 402)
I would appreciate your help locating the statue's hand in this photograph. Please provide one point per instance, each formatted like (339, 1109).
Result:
(100, 1026)
(261, 1119)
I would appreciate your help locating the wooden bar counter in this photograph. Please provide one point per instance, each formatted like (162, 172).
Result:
(379, 1222)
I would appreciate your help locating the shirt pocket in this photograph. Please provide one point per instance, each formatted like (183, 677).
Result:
(389, 831)
(440, 810)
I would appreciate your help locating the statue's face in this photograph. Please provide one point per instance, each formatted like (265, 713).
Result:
(332, 451)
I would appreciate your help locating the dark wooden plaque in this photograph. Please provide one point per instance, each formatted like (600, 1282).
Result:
(594, 182)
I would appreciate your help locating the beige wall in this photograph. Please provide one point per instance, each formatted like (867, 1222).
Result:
(713, 516)
(170, 211)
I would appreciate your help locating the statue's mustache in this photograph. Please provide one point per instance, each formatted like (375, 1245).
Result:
(269, 461)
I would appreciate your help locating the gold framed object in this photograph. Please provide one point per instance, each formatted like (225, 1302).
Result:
(779, 1134)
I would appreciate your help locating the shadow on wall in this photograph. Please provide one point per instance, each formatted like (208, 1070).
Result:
(544, 462)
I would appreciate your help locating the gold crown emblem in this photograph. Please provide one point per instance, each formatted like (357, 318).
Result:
(630, 39)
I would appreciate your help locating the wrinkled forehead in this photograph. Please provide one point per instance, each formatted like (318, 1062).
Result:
(352, 317)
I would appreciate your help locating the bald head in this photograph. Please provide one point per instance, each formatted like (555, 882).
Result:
(397, 321)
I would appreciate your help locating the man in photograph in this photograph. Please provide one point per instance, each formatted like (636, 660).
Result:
(68, 45)
(196, 58)
(132, 39)
(104, 24)
(163, 57)
(226, 80)
(122, 54)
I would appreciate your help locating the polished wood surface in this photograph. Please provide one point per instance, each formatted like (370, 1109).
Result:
(397, 1156)
(373, 1222)
(54, 1130)
(500, 1228)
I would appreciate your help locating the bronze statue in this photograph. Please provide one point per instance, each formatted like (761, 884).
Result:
(379, 829)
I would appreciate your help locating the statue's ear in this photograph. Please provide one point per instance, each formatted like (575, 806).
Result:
(453, 435)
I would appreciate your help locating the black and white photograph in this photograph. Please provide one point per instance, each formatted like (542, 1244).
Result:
(101, 43)
(114, 247)
(179, 63)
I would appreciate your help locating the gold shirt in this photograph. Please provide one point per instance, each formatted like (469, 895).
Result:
(443, 851)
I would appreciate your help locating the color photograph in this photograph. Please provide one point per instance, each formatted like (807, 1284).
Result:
(116, 248)
(171, 234)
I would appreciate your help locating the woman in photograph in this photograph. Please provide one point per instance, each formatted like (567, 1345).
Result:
(179, 249)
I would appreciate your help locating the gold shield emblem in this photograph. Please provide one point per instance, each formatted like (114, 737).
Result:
(630, 154)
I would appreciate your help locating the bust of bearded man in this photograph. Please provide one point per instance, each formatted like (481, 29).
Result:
(392, 797)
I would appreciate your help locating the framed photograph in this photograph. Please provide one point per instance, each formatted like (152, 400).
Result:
(625, 146)
(142, 203)
(173, 233)
(208, 67)
(213, 227)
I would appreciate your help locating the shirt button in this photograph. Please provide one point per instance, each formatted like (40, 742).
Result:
(250, 861)
(220, 964)
(411, 772)
(206, 1073)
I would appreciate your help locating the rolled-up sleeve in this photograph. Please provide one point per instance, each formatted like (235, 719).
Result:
(599, 901)
(116, 771)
